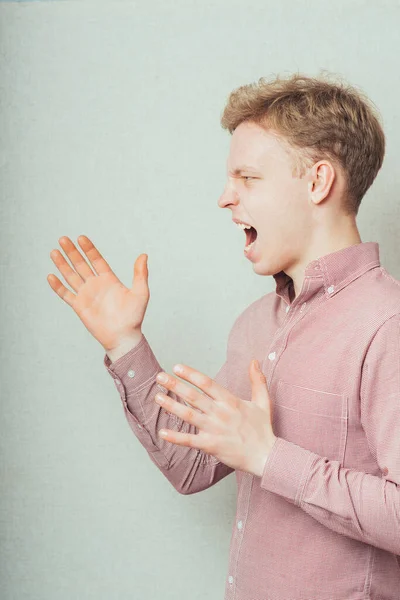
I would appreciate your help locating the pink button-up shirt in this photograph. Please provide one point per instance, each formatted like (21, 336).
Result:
(323, 520)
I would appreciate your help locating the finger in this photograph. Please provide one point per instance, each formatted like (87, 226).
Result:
(96, 259)
(191, 395)
(185, 413)
(218, 393)
(71, 277)
(77, 260)
(61, 290)
(182, 439)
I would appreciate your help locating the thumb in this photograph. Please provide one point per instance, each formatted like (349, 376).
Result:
(259, 388)
(256, 373)
(140, 275)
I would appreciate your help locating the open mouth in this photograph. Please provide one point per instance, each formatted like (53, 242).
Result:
(251, 236)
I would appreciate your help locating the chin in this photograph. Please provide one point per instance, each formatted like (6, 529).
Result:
(264, 267)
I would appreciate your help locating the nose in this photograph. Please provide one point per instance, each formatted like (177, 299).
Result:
(228, 196)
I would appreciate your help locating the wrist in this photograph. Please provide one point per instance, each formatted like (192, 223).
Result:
(124, 346)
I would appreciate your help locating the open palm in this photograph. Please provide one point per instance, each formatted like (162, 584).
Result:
(107, 308)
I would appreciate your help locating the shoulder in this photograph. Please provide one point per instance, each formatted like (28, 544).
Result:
(382, 290)
(384, 342)
(253, 313)
(375, 305)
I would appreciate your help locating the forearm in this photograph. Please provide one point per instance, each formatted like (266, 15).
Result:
(188, 469)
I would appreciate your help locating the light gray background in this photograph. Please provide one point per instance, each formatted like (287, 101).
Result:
(110, 128)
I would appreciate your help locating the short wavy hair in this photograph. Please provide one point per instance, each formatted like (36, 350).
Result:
(316, 118)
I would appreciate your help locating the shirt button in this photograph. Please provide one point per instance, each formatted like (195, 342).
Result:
(317, 267)
(330, 289)
(117, 381)
(272, 355)
(131, 373)
(303, 305)
(240, 525)
(140, 427)
(230, 579)
(385, 470)
(287, 308)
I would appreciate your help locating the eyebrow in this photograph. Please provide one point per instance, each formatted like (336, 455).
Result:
(243, 168)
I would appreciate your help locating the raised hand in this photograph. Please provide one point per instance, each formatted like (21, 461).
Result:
(109, 310)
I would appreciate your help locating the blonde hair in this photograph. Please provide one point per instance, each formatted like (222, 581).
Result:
(316, 119)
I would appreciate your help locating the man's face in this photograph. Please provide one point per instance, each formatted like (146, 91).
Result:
(266, 195)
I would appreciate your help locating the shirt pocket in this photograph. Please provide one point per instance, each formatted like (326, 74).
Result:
(313, 419)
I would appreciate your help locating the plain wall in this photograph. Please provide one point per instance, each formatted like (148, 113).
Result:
(109, 116)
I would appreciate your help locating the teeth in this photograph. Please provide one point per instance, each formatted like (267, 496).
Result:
(249, 246)
(243, 226)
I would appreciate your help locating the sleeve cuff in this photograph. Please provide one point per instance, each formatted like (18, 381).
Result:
(287, 469)
(134, 369)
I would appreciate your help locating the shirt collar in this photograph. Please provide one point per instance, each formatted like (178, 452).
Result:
(332, 272)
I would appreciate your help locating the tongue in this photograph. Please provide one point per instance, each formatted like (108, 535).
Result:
(251, 235)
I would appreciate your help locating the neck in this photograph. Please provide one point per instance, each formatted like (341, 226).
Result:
(326, 242)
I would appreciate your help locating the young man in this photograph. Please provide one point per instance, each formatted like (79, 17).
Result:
(314, 443)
